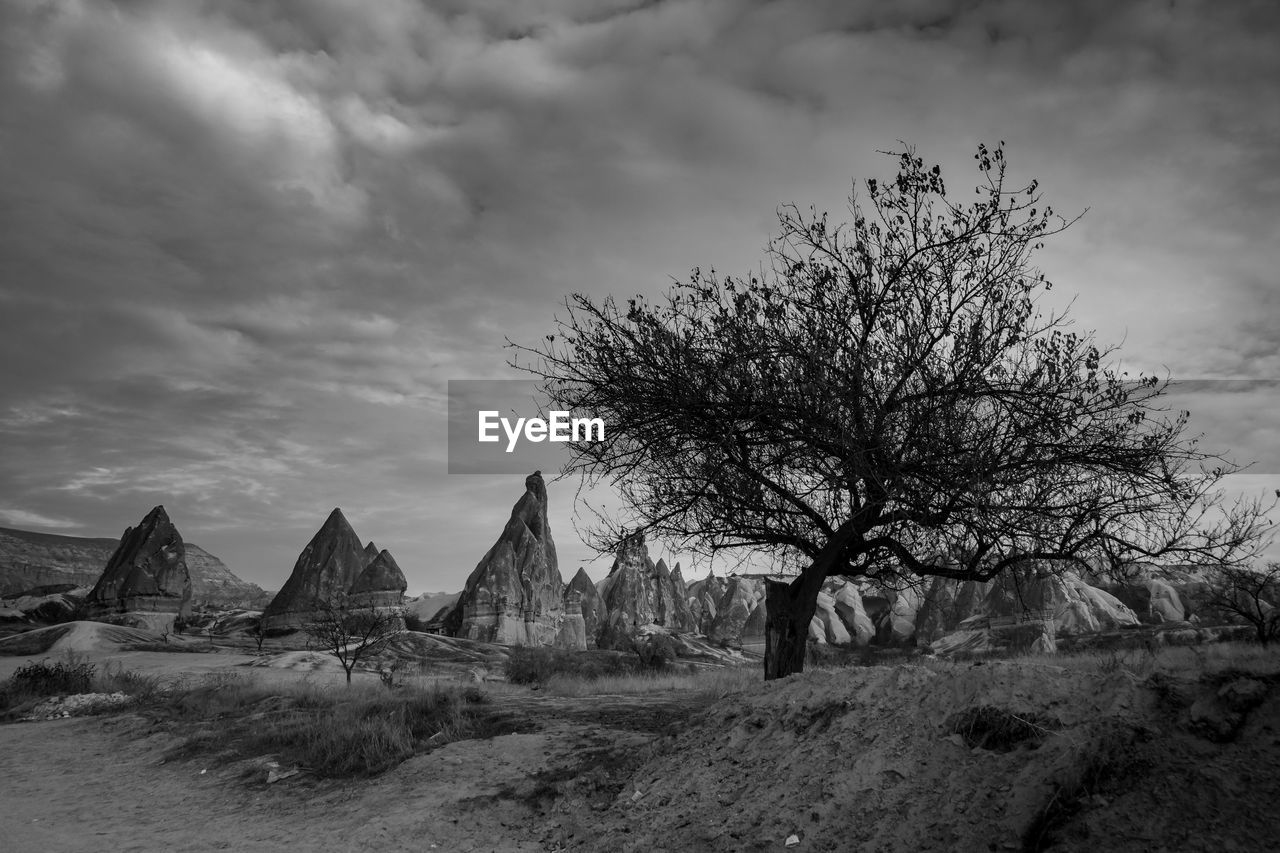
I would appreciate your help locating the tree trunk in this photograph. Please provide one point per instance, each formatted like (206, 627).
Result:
(789, 608)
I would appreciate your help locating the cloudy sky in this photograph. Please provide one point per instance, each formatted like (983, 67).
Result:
(244, 245)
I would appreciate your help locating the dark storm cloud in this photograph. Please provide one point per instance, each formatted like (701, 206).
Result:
(243, 245)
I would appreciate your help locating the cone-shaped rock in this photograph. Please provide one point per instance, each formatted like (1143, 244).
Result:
(146, 581)
(515, 594)
(594, 613)
(371, 551)
(326, 569)
(381, 586)
(639, 592)
(381, 576)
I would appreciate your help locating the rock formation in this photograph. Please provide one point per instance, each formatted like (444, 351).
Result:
(590, 605)
(30, 560)
(826, 626)
(371, 551)
(848, 605)
(515, 595)
(326, 570)
(380, 585)
(639, 592)
(703, 597)
(740, 612)
(146, 582)
(1069, 604)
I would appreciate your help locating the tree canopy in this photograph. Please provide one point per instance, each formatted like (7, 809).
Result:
(890, 396)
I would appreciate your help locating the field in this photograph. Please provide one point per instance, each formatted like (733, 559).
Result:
(236, 749)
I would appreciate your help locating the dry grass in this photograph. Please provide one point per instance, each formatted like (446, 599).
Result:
(334, 731)
(1191, 661)
(713, 682)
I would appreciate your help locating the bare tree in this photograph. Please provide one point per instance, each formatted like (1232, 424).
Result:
(885, 398)
(352, 633)
(1250, 594)
(259, 631)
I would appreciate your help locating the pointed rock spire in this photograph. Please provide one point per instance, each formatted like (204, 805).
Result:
(326, 568)
(639, 592)
(594, 613)
(381, 575)
(146, 576)
(515, 593)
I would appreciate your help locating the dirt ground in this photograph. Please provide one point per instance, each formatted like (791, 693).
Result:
(996, 756)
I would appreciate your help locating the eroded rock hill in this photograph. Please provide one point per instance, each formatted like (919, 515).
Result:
(515, 594)
(146, 582)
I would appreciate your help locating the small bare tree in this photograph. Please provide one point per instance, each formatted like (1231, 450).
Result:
(353, 633)
(259, 631)
(1249, 593)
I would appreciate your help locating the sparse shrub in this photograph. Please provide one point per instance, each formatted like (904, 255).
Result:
(44, 679)
(54, 679)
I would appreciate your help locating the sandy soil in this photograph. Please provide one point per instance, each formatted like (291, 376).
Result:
(865, 760)
(102, 783)
(850, 760)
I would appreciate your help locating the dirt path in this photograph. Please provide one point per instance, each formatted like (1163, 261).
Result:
(101, 783)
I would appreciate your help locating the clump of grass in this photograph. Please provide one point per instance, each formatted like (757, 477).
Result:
(713, 682)
(44, 679)
(538, 664)
(336, 732)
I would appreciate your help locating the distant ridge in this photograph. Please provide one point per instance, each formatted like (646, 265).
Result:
(29, 559)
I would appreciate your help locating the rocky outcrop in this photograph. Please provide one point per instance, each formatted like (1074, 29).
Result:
(146, 582)
(1007, 639)
(380, 585)
(29, 560)
(515, 595)
(739, 612)
(826, 626)
(325, 571)
(371, 551)
(1059, 597)
(589, 604)
(847, 602)
(639, 592)
(704, 597)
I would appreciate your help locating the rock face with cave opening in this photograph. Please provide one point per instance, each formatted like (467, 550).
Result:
(515, 595)
(326, 570)
(146, 582)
